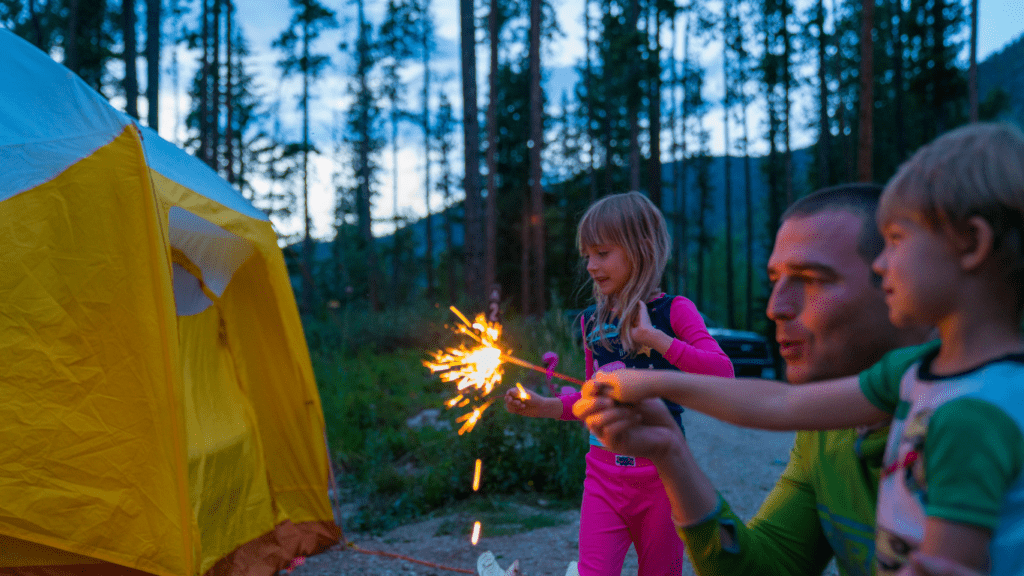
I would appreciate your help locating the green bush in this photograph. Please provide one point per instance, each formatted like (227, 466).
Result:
(396, 473)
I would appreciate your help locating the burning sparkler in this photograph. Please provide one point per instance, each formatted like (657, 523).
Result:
(477, 370)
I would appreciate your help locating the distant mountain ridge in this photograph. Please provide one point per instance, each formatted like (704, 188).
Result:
(1005, 70)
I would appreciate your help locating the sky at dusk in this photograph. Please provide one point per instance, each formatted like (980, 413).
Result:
(1000, 22)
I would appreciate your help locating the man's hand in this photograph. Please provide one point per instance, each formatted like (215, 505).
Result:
(534, 405)
(645, 429)
(623, 385)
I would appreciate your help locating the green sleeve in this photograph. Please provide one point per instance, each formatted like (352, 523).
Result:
(972, 454)
(881, 382)
(784, 538)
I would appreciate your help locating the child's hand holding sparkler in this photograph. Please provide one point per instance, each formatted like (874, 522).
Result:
(524, 403)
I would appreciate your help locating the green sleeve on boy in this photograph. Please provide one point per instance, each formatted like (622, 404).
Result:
(881, 383)
(973, 452)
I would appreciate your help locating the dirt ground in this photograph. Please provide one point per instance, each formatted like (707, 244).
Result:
(743, 464)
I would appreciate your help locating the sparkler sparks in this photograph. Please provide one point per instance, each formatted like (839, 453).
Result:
(476, 371)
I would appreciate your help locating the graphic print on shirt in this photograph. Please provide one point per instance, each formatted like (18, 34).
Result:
(907, 468)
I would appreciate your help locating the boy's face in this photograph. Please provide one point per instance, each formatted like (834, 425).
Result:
(831, 320)
(918, 269)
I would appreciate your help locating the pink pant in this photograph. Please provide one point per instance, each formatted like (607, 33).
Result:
(624, 504)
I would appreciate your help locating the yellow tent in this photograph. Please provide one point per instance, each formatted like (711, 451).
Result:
(158, 411)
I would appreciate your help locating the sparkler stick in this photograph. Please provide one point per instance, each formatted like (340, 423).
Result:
(525, 364)
(476, 475)
(476, 533)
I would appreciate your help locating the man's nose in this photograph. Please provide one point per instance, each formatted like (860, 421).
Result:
(783, 302)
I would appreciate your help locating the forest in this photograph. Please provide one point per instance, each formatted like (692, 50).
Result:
(508, 168)
(870, 80)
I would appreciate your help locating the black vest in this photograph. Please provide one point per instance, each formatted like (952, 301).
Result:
(660, 312)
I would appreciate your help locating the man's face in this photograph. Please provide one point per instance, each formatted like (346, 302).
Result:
(831, 320)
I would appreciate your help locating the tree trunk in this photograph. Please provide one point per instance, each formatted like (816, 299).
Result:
(365, 216)
(654, 184)
(71, 43)
(490, 274)
(229, 94)
(684, 178)
(37, 29)
(364, 224)
(425, 47)
(537, 139)
(216, 100)
(865, 120)
(131, 79)
(203, 84)
(898, 80)
(727, 188)
(588, 86)
(633, 98)
(972, 85)
(471, 135)
(824, 124)
(674, 155)
(153, 41)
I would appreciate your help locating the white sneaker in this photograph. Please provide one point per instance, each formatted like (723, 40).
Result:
(487, 565)
(572, 570)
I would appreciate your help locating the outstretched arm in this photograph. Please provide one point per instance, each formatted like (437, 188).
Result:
(750, 402)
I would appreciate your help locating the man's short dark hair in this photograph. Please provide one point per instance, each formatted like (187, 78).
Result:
(860, 199)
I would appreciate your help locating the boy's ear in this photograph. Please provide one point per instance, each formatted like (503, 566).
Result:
(974, 242)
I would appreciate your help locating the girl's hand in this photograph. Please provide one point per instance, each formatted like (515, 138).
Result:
(643, 330)
(533, 406)
(625, 385)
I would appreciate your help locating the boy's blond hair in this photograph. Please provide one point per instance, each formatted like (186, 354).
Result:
(634, 223)
(975, 170)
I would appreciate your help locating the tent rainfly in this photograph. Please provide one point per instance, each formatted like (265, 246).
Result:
(158, 411)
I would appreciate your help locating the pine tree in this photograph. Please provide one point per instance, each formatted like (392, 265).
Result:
(366, 143)
(309, 20)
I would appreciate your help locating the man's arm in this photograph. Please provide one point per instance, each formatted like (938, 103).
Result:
(786, 538)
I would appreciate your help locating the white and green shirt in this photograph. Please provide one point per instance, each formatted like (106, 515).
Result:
(955, 451)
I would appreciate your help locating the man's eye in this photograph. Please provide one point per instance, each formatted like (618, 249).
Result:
(602, 254)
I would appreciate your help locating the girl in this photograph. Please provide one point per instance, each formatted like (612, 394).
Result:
(632, 324)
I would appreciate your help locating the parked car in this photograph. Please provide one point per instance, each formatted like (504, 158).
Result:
(749, 351)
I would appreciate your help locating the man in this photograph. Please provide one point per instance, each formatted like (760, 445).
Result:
(831, 322)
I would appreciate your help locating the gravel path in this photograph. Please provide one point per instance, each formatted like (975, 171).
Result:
(743, 464)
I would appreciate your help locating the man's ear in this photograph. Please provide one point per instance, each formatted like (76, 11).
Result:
(974, 242)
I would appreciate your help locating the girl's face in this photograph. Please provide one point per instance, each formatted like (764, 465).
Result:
(918, 269)
(608, 267)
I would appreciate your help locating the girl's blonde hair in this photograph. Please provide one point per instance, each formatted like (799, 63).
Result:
(635, 224)
(975, 170)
